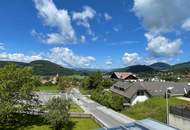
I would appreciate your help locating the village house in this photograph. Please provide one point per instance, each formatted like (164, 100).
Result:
(124, 76)
(141, 91)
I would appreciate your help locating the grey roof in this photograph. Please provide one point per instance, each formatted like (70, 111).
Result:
(129, 88)
(146, 124)
(159, 88)
(153, 88)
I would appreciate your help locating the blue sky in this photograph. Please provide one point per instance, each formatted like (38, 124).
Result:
(95, 34)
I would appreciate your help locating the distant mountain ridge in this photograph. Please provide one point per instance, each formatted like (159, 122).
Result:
(160, 66)
(137, 69)
(43, 67)
(156, 67)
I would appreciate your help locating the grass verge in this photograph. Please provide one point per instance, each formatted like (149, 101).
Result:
(75, 108)
(45, 88)
(37, 123)
(153, 108)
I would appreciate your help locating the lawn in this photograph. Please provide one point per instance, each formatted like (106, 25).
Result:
(75, 108)
(45, 88)
(37, 123)
(80, 124)
(154, 108)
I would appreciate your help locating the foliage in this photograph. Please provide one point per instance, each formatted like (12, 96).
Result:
(57, 113)
(75, 108)
(44, 88)
(64, 84)
(43, 67)
(108, 99)
(16, 87)
(107, 83)
(153, 108)
(94, 80)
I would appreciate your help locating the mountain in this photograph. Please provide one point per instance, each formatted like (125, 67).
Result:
(160, 66)
(181, 67)
(137, 69)
(21, 64)
(43, 67)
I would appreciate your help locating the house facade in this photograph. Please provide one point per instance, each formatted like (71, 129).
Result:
(141, 91)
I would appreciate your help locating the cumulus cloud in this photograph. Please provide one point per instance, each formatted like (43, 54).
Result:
(20, 57)
(65, 56)
(131, 58)
(162, 15)
(84, 17)
(160, 46)
(107, 17)
(56, 18)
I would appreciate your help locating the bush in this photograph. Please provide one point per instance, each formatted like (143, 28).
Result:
(57, 113)
(108, 99)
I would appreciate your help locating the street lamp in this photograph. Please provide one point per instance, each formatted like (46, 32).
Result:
(167, 104)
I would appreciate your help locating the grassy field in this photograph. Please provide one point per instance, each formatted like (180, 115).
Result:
(80, 124)
(37, 123)
(45, 88)
(75, 108)
(154, 108)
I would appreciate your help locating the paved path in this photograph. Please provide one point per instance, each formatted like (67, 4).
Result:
(106, 116)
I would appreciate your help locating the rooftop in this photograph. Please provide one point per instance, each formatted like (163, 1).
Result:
(127, 89)
(146, 124)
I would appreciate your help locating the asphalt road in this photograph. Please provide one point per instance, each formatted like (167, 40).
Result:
(106, 116)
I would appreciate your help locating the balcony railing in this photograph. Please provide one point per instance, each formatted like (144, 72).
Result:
(180, 111)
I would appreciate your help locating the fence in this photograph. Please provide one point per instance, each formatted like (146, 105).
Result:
(180, 111)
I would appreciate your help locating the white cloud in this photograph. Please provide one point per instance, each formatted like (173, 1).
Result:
(116, 29)
(186, 25)
(160, 46)
(20, 57)
(131, 58)
(109, 61)
(162, 15)
(82, 39)
(84, 16)
(59, 55)
(65, 56)
(95, 38)
(107, 17)
(56, 18)
(2, 46)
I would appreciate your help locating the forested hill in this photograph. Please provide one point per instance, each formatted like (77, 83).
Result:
(181, 68)
(43, 67)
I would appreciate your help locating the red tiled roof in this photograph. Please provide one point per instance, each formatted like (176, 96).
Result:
(122, 75)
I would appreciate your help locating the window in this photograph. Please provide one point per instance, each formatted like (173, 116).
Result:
(140, 93)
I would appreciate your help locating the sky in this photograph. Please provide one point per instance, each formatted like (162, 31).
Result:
(95, 34)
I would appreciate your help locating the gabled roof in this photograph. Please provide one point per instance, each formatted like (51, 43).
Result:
(123, 75)
(152, 88)
(129, 88)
